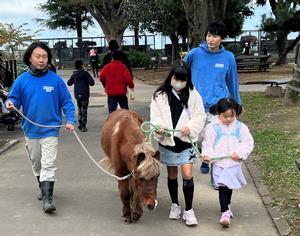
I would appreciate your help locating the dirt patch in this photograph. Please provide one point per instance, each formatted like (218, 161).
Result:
(287, 118)
(156, 77)
(151, 76)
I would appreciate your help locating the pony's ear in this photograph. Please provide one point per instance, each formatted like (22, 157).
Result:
(140, 157)
(156, 155)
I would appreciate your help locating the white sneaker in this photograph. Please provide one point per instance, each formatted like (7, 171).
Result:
(175, 212)
(189, 217)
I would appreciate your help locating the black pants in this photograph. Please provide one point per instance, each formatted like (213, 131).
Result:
(224, 198)
(94, 65)
(113, 102)
(82, 107)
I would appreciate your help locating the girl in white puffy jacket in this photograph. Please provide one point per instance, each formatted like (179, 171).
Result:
(227, 137)
(177, 105)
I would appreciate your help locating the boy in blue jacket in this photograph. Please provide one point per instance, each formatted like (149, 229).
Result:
(43, 95)
(214, 72)
(82, 81)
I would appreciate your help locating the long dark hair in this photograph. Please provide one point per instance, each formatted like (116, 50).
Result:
(31, 47)
(182, 72)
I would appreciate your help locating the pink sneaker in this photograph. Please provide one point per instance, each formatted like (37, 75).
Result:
(225, 218)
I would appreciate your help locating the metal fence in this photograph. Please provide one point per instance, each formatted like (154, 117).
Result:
(66, 50)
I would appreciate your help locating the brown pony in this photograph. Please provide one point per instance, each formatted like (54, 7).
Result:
(125, 145)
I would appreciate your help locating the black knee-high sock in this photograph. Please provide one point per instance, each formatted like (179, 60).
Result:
(224, 197)
(188, 191)
(229, 192)
(173, 190)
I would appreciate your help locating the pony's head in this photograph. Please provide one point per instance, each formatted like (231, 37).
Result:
(146, 173)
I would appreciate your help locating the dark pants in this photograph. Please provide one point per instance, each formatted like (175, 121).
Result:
(94, 65)
(224, 197)
(113, 102)
(82, 106)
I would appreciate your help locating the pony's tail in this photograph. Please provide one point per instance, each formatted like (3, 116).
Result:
(107, 164)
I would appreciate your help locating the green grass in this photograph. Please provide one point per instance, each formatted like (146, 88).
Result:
(277, 150)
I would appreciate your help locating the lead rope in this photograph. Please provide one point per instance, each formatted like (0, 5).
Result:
(80, 142)
(167, 132)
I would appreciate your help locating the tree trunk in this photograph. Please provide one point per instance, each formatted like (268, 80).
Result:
(175, 49)
(110, 18)
(281, 43)
(289, 48)
(79, 32)
(292, 90)
(200, 13)
(136, 37)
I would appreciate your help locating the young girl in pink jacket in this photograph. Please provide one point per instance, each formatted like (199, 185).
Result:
(226, 143)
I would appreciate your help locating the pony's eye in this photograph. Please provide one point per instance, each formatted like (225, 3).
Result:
(142, 179)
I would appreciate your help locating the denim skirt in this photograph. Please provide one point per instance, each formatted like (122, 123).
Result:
(170, 158)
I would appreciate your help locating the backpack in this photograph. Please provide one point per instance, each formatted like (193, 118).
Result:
(236, 133)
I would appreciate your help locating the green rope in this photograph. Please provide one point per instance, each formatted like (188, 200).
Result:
(168, 133)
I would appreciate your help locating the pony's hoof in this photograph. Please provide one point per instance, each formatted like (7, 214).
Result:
(135, 217)
(126, 220)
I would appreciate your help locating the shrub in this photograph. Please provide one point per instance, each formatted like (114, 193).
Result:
(138, 59)
(234, 48)
(101, 57)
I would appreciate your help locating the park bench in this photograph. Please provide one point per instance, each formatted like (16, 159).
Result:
(274, 89)
(270, 82)
(252, 62)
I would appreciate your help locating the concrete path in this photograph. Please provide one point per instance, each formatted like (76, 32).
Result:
(87, 200)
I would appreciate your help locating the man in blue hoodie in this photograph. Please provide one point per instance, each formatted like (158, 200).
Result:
(43, 95)
(214, 72)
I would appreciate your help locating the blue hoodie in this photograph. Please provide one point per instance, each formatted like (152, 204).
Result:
(42, 100)
(214, 74)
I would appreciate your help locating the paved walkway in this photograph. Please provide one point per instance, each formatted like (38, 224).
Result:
(87, 200)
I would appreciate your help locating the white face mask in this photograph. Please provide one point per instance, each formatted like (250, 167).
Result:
(178, 85)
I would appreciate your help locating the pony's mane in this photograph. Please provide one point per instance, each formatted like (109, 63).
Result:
(149, 167)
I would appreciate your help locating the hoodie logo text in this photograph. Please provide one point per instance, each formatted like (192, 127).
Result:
(219, 65)
(48, 89)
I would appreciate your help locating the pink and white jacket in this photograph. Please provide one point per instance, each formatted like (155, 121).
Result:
(221, 140)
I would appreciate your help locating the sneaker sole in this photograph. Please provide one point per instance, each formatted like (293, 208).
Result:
(173, 218)
(189, 224)
(225, 223)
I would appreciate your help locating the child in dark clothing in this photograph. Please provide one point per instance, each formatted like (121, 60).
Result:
(81, 80)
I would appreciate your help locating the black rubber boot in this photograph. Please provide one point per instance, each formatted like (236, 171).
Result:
(39, 196)
(83, 128)
(80, 124)
(47, 193)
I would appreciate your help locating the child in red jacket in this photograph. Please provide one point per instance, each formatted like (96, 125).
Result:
(115, 78)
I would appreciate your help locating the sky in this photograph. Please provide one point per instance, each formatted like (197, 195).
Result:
(25, 11)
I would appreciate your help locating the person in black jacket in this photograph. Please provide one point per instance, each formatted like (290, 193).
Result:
(114, 46)
(81, 80)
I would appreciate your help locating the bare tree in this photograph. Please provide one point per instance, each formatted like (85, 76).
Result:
(199, 14)
(285, 19)
(110, 16)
